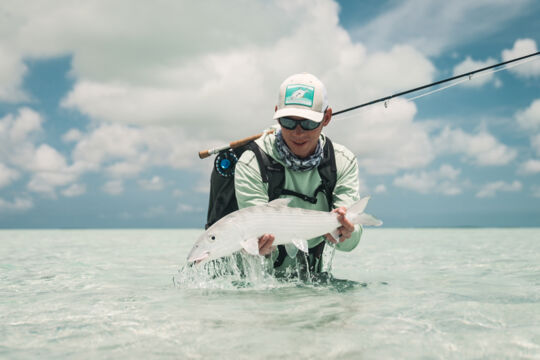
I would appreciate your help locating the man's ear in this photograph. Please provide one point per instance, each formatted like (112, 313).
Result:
(275, 109)
(327, 116)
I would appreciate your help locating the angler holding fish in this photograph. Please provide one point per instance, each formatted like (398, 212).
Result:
(293, 160)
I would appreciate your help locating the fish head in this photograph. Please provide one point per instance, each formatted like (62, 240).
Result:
(216, 242)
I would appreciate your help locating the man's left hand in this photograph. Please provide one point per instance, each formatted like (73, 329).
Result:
(345, 230)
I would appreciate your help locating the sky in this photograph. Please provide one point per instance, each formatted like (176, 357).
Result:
(105, 105)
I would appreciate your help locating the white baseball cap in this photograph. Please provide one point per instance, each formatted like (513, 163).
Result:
(302, 95)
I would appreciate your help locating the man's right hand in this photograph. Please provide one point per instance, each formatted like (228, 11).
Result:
(265, 244)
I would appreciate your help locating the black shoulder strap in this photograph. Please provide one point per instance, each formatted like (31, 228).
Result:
(328, 172)
(272, 172)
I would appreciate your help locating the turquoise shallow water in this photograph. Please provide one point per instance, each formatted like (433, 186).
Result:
(408, 294)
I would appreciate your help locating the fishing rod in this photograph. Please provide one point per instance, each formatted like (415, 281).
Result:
(238, 143)
(470, 73)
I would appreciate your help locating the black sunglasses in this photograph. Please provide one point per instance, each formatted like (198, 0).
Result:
(291, 124)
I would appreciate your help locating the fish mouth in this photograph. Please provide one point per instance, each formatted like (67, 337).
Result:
(199, 259)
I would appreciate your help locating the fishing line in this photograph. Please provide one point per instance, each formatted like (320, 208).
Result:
(471, 77)
(469, 74)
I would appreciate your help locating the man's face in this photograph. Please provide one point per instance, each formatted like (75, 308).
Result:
(304, 142)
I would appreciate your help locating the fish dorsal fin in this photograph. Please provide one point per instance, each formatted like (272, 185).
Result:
(278, 203)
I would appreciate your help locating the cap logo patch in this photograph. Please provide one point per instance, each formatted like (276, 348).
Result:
(299, 95)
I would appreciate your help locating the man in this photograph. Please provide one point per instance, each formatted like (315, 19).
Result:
(297, 144)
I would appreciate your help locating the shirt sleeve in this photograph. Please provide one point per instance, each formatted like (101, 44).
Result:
(346, 194)
(249, 187)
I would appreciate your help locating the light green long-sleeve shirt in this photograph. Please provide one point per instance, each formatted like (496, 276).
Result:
(251, 190)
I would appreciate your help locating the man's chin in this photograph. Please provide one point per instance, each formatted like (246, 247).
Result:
(300, 150)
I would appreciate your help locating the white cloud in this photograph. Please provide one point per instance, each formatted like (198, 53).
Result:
(74, 190)
(16, 144)
(47, 159)
(17, 134)
(17, 205)
(50, 170)
(47, 167)
(477, 80)
(124, 169)
(72, 135)
(126, 151)
(7, 175)
(490, 189)
(529, 119)
(523, 47)
(443, 181)
(154, 184)
(12, 71)
(385, 140)
(380, 189)
(107, 141)
(435, 26)
(114, 187)
(481, 148)
(28, 121)
(531, 166)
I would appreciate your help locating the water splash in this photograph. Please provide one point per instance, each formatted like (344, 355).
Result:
(244, 272)
(237, 271)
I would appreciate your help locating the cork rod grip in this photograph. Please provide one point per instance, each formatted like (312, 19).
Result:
(206, 153)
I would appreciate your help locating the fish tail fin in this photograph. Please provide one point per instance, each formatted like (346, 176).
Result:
(356, 215)
(359, 206)
(367, 219)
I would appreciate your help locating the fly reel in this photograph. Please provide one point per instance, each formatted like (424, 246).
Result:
(225, 163)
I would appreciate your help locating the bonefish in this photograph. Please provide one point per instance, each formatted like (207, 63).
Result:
(291, 227)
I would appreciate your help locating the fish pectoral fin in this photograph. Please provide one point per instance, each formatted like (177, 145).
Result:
(251, 246)
(291, 250)
(301, 244)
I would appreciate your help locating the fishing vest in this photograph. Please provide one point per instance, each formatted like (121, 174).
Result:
(223, 198)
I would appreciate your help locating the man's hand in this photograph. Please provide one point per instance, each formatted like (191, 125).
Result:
(345, 230)
(265, 244)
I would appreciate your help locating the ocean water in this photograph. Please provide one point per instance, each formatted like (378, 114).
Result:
(401, 294)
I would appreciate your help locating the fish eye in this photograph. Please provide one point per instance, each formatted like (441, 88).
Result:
(212, 237)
